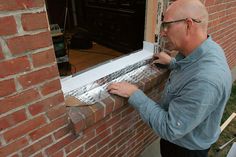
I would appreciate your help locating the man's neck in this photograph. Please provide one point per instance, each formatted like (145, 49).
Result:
(192, 44)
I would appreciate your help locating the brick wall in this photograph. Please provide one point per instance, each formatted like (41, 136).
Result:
(33, 117)
(222, 26)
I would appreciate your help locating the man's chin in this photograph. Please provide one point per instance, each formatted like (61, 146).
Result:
(169, 46)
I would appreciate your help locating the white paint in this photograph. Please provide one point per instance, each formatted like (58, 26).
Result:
(71, 83)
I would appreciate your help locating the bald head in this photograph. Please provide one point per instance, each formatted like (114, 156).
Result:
(181, 9)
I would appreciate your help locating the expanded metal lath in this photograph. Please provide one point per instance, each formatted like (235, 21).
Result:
(97, 90)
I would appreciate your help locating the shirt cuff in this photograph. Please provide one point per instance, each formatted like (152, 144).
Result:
(137, 98)
(172, 64)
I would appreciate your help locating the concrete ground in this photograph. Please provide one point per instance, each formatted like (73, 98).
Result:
(233, 71)
(153, 150)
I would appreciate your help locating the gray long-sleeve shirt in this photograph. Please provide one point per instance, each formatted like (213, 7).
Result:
(193, 101)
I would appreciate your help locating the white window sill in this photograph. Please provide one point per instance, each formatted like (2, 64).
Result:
(83, 78)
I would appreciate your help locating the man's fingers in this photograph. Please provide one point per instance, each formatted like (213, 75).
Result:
(156, 61)
(117, 92)
(113, 91)
(112, 86)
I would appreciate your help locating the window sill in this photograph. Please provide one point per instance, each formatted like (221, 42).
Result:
(83, 117)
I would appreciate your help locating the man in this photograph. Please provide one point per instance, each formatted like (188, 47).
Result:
(188, 116)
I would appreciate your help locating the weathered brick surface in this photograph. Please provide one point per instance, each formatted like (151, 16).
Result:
(60, 144)
(8, 25)
(13, 147)
(37, 146)
(7, 87)
(14, 66)
(46, 104)
(23, 44)
(12, 119)
(56, 112)
(1, 53)
(24, 128)
(34, 21)
(50, 87)
(38, 76)
(43, 58)
(48, 128)
(18, 100)
(10, 5)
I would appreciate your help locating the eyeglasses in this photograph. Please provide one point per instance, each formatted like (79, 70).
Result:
(165, 25)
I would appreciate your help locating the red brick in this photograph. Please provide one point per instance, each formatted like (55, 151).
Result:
(107, 139)
(29, 23)
(96, 125)
(120, 148)
(109, 152)
(8, 25)
(24, 128)
(45, 130)
(59, 145)
(13, 147)
(118, 111)
(19, 4)
(88, 113)
(15, 155)
(99, 152)
(12, 119)
(79, 126)
(79, 141)
(7, 87)
(89, 152)
(212, 9)
(58, 154)
(17, 100)
(50, 87)
(37, 146)
(98, 111)
(109, 105)
(127, 111)
(14, 66)
(124, 137)
(56, 112)
(26, 43)
(1, 53)
(131, 144)
(97, 138)
(119, 101)
(108, 124)
(46, 104)
(43, 58)
(39, 155)
(76, 153)
(62, 132)
(38, 76)
(115, 140)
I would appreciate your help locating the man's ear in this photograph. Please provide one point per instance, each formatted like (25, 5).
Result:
(189, 24)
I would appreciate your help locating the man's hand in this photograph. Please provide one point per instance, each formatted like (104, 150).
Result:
(123, 89)
(162, 58)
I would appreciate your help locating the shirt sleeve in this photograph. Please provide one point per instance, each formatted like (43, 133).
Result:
(186, 110)
(172, 64)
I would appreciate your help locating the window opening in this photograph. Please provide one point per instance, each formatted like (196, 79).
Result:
(89, 86)
(94, 31)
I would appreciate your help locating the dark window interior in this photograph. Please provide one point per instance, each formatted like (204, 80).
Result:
(115, 24)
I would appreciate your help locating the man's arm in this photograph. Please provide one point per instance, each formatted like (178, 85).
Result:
(185, 112)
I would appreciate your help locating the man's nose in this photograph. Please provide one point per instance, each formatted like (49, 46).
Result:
(163, 33)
